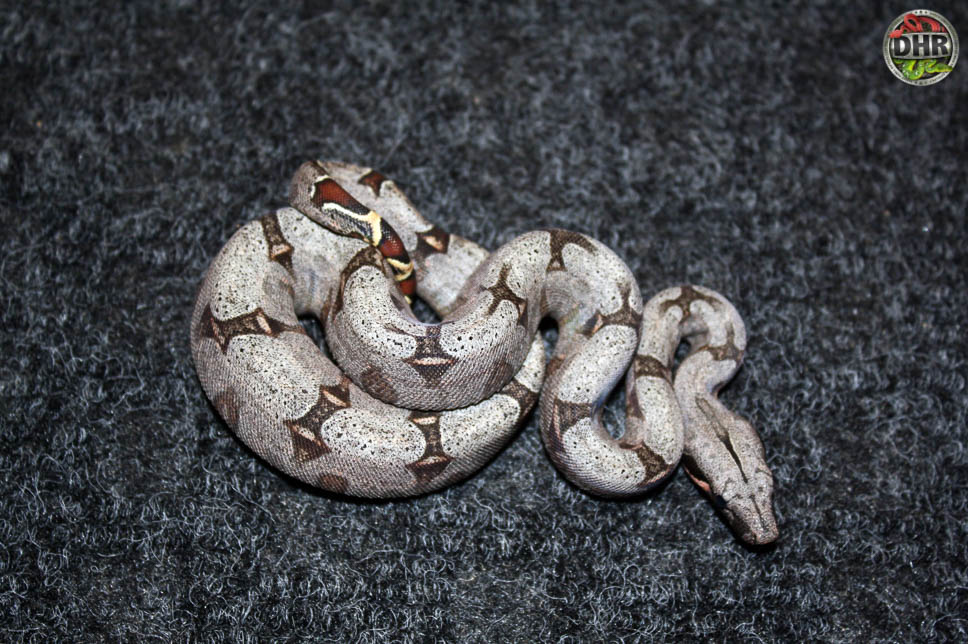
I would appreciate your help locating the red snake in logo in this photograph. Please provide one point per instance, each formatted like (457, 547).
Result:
(912, 22)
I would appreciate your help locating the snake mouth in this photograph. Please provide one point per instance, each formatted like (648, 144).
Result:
(744, 515)
(755, 526)
(765, 535)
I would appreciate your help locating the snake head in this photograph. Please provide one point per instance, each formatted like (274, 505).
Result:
(726, 460)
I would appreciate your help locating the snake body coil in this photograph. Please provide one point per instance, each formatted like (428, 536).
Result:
(414, 407)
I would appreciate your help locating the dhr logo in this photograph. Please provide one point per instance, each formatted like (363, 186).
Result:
(920, 47)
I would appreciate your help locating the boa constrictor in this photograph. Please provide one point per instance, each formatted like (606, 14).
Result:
(414, 407)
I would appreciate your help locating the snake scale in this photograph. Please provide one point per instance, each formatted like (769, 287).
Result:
(413, 407)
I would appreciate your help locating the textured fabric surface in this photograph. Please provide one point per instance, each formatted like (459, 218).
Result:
(765, 152)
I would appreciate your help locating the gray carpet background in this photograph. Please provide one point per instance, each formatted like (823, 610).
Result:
(761, 150)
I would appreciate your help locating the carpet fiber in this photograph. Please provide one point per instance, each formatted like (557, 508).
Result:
(761, 149)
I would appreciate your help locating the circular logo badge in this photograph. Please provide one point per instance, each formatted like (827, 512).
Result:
(920, 47)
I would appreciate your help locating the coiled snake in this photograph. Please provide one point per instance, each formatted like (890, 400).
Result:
(414, 407)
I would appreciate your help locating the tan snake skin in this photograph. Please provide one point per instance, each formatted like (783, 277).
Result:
(414, 407)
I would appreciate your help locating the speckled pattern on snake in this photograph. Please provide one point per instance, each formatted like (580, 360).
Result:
(413, 407)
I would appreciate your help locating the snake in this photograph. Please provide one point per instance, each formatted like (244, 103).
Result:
(389, 406)
(915, 69)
